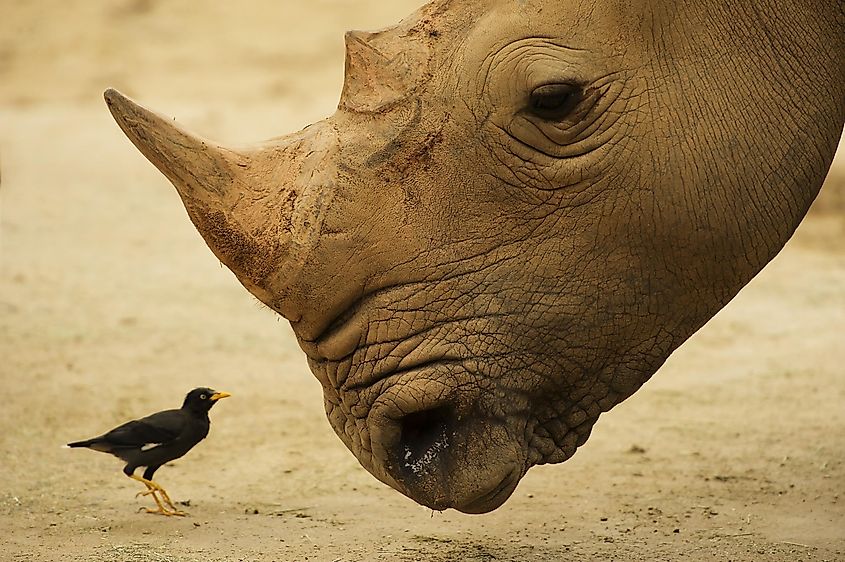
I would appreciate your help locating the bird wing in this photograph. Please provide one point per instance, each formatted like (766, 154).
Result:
(161, 427)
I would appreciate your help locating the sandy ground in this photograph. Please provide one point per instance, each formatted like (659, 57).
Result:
(111, 307)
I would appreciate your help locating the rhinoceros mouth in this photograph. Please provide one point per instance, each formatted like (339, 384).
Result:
(354, 365)
(335, 337)
(386, 375)
(494, 498)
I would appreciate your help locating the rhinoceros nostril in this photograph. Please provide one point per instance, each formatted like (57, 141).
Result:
(423, 435)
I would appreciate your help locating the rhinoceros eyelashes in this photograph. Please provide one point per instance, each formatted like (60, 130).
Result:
(553, 102)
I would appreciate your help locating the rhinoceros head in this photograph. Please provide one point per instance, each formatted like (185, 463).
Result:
(518, 211)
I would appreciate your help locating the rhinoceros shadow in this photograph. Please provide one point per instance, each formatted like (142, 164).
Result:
(486, 549)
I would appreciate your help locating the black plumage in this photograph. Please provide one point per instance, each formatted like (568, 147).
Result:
(157, 439)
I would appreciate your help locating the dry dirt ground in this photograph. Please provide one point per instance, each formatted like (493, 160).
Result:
(111, 307)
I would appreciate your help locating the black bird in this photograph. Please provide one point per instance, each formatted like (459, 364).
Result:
(158, 439)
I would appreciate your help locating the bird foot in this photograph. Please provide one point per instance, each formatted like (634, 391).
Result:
(164, 511)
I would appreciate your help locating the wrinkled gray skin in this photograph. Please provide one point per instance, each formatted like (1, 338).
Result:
(475, 279)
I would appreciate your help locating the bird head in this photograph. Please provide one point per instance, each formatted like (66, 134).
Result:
(202, 399)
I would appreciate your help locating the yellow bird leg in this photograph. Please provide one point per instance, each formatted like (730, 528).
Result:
(161, 509)
(152, 488)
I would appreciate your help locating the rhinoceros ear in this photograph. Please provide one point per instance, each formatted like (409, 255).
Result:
(198, 168)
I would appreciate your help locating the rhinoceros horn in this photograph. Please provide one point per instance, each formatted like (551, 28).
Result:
(260, 229)
(382, 68)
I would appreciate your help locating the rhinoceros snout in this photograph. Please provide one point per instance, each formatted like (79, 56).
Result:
(432, 448)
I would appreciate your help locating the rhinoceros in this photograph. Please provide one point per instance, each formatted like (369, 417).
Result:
(517, 212)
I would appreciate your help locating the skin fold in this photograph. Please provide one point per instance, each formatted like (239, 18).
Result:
(518, 211)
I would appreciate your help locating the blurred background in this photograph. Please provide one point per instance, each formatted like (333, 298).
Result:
(111, 307)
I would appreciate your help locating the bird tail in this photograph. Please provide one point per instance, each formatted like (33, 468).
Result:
(85, 443)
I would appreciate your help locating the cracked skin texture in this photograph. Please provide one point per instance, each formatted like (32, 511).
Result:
(517, 213)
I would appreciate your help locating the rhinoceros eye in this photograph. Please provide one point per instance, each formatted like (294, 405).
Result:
(553, 102)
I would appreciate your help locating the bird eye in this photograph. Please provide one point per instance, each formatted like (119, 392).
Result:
(553, 102)
(203, 396)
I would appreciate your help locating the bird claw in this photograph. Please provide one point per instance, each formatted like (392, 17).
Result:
(163, 511)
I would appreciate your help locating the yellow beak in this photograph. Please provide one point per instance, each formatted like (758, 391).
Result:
(219, 395)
